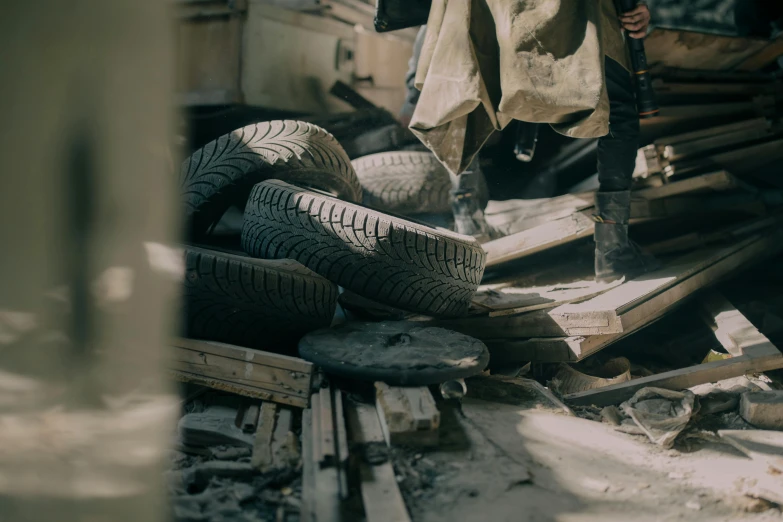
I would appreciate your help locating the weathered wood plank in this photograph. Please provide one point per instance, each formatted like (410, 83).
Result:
(241, 373)
(408, 416)
(262, 445)
(622, 307)
(241, 389)
(240, 353)
(380, 492)
(580, 224)
(756, 354)
(320, 486)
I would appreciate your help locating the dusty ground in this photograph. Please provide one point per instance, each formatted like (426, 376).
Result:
(525, 462)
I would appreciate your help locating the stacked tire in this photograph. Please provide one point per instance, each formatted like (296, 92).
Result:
(305, 232)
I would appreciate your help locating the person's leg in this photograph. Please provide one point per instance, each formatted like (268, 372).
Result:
(615, 255)
(465, 204)
(412, 93)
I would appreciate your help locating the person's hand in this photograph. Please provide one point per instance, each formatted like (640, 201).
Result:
(635, 22)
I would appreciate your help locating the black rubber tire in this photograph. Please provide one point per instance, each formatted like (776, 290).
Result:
(408, 182)
(252, 302)
(221, 173)
(381, 257)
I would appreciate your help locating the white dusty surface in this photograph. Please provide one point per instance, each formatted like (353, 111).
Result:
(580, 471)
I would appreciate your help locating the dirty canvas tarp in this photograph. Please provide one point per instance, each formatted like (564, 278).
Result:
(487, 62)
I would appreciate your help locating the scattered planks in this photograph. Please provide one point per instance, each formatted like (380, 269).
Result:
(244, 371)
(580, 224)
(623, 307)
(275, 444)
(380, 492)
(752, 352)
(408, 416)
(324, 457)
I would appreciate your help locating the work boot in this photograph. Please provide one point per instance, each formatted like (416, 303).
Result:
(468, 215)
(616, 256)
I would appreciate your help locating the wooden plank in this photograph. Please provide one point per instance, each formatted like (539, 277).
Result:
(763, 57)
(749, 89)
(320, 486)
(679, 151)
(262, 446)
(757, 354)
(714, 181)
(699, 51)
(580, 224)
(741, 161)
(275, 445)
(624, 305)
(209, 55)
(240, 389)
(241, 373)
(241, 353)
(408, 416)
(749, 125)
(679, 379)
(381, 495)
(514, 299)
(529, 324)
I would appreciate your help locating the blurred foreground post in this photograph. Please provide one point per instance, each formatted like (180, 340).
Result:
(86, 273)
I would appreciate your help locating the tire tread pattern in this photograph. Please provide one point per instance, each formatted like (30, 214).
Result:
(408, 182)
(252, 302)
(378, 256)
(221, 173)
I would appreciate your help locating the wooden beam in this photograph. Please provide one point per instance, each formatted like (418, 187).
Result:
(265, 375)
(408, 416)
(624, 306)
(763, 57)
(320, 486)
(728, 140)
(749, 125)
(757, 354)
(580, 224)
(240, 389)
(381, 495)
(262, 446)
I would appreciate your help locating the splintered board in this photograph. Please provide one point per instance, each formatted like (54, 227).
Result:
(245, 371)
(623, 307)
(751, 350)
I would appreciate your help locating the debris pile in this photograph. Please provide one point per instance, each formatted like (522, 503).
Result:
(340, 324)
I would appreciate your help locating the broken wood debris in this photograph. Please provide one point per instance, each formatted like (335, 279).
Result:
(244, 371)
(408, 415)
(753, 353)
(380, 492)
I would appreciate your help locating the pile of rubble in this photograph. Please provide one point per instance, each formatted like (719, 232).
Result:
(321, 310)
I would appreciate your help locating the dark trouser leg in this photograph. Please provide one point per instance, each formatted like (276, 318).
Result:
(412, 93)
(468, 215)
(615, 255)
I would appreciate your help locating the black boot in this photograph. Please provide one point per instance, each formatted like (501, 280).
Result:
(616, 256)
(468, 216)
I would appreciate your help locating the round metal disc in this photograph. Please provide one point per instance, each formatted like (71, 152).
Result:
(397, 353)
